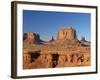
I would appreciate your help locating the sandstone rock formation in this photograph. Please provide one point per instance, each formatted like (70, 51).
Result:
(65, 51)
(84, 41)
(31, 38)
(67, 33)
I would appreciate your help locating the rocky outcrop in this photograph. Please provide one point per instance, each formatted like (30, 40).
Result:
(67, 37)
(58, 59)
(85, 42)
(64, 51)
(31, 38)
(67, 33)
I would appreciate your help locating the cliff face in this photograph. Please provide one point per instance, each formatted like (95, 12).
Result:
(66, 36)
(64, 51)
(31, 38)
(67, 33)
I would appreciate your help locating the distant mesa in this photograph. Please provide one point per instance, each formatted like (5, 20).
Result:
(31, 38)
(65, 50)
(84, 41)
(52, 39)
(67, 33)
(64, 36)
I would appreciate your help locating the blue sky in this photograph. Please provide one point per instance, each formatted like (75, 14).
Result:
(47, 23)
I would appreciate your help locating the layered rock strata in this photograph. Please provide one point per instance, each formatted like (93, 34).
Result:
(64, 51)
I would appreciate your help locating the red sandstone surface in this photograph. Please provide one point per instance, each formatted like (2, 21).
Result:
(65, 51)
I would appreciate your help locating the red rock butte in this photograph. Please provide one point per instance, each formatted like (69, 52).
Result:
(64, 51)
